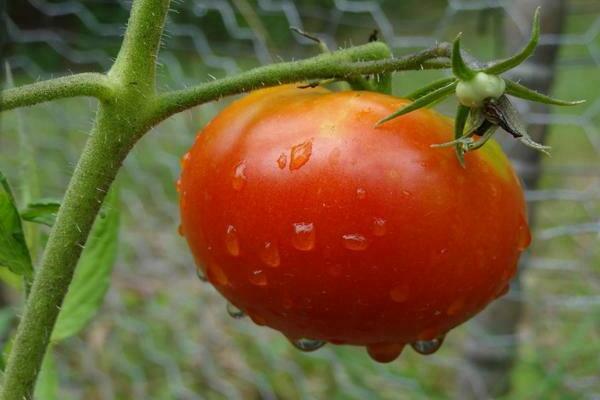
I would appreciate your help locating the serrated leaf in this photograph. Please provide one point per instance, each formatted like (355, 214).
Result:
(14, 253)
(92, 275)
(47, 385)
(41, 211)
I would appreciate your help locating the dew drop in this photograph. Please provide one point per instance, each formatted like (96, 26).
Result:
(379, 228)
(361, 193)
(235, 312)
(200, 274)
(355, 242)
(180, 230)
(178, 185)
(239, 176)
(231, 241)
(308, 344)
(385, 352)
(456, 307)
(258, 278)
(399, 293)
(524, 239)
(282, 161)
(300, 154)
(427, 347)
(269, 255)
(216, 275)
(304, 236)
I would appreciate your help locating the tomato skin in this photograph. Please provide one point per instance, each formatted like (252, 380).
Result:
(320, 225)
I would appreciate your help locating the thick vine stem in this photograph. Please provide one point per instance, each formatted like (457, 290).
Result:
(86, 84)
(371, 58)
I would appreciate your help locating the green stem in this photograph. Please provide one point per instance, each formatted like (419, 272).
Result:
(97, 168)
(135, 66)
(87, 84)
(353, 62)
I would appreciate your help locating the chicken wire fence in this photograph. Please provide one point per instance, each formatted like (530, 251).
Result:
(162, 334)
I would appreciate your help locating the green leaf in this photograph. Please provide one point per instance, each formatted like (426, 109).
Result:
(41, 211)
(14, 253)
(459, 68)
(47, 385)
(505, 65)
(520, 91)
(422, 101)
(92, 276)
(430, 88)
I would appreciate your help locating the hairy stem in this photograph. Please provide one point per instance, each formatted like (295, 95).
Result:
(372, 58)
(135, 66)
(97, 167)
(120, 121)
(87, 84)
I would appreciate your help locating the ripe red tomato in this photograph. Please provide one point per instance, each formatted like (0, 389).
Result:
(316, 223)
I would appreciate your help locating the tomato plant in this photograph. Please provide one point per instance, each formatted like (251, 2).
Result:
(317, 223)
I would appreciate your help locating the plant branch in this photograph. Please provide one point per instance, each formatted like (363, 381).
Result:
(135, 66)
(86, 84)
(372, 58)
(121, 120)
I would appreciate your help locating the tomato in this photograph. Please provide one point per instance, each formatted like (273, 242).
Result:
(321, 225)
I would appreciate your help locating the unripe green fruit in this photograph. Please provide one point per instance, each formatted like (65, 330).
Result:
(483, 86)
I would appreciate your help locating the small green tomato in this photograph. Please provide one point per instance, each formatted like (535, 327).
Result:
(483, 86)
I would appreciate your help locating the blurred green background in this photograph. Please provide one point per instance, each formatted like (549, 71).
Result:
(163, 334)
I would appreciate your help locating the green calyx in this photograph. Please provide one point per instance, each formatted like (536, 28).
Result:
(482, 96)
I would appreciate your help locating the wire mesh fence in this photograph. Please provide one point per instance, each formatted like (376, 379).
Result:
(162, 334)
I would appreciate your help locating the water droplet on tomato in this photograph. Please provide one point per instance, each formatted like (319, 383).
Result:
(180, 230)
(231, 241)
(524, 239)
(361, 193)
(216, 275)
(379, 228)
(258, 278)
(269, 255)
(200, 274)
(178, 185)
(239, 176)
(355, 242)
(235, 312)
(300, 154)
(282, 161)
(427, 347)
(304, 236)
(456, 306)
(399, 293)
(308, 344)
(385, 352)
